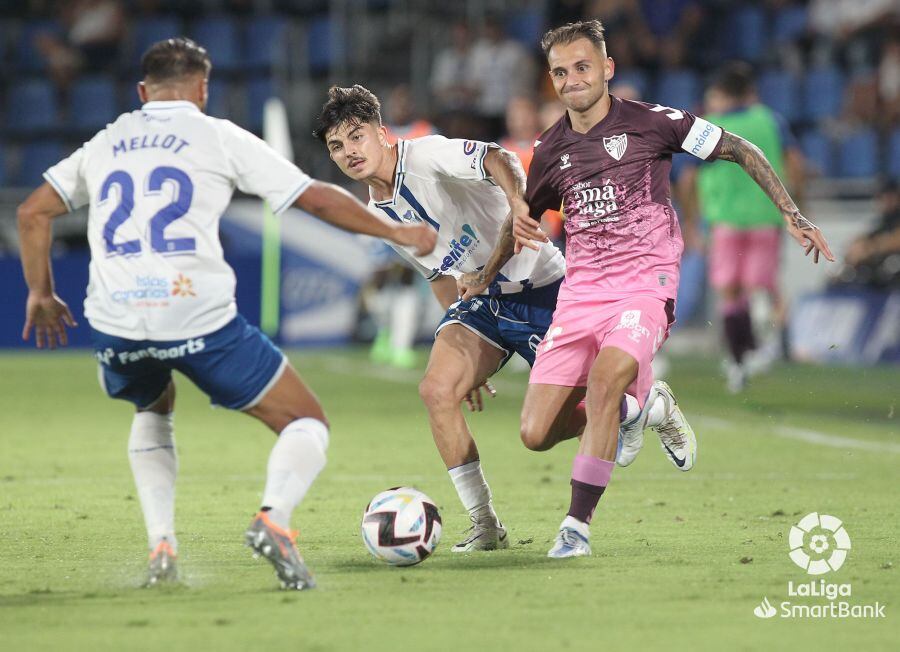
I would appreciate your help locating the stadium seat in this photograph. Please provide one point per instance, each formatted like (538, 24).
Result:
(93, 103)
(325, 40)
(789, 24)
(219, 35)
(31, 107)
(3, 166)
(37, 156)
(27, 57)
(217, 103)
(148, 31)
(823, 93)
(748, 33)
(526, 27)
(859, 154)
(679, 89)
(819, 153)
(258, 91)
(778, 91)
(893, 154)
(634, 78)
(265, 43)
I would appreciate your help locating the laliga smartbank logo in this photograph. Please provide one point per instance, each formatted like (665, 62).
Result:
(818, 544)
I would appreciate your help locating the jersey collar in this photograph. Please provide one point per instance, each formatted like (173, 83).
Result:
(399, 174)
(614, 103)
(170, 105)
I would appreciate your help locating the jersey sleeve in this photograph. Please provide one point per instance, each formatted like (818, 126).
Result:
(453, 157)
(540, 193)
(680, 130)
(258, 169)
(67, 179)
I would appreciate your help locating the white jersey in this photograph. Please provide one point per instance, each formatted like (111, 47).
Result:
(442, 182)
(157, 181)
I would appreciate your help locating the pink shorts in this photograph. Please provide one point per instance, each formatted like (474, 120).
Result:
(744, 257)
(637, 325)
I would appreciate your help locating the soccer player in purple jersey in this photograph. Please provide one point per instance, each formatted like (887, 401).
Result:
(608, 161)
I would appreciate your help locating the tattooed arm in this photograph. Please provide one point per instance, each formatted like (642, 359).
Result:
(750, 157)
(474, 283)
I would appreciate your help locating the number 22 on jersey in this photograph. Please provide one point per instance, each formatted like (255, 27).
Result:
(158, 223)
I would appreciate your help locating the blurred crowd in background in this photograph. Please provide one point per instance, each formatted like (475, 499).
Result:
(829, 68)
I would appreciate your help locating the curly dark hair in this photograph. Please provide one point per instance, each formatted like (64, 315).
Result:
(356, 105)
(173, 59)
(592, 30)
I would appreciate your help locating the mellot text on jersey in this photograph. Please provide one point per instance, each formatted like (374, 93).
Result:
(156, 141)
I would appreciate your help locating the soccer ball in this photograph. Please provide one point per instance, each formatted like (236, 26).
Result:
(401, 526)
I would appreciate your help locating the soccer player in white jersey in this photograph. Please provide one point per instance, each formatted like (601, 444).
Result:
(467, 191)
(161, 296)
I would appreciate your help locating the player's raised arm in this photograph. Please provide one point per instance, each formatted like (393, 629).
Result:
(506, 170)
(338, 207)
(45, 312)
(753, 161)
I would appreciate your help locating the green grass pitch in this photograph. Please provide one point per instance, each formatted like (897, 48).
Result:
(680, 559)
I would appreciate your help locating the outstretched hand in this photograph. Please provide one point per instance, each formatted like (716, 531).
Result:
(527, 232)
(808, 236)
(473, 398)
(48, 315)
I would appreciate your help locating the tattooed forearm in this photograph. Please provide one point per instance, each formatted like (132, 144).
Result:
(751, 158)
(503, 250)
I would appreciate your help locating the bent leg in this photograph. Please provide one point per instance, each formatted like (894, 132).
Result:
(460, 360)
(293, 411)
(551, 414)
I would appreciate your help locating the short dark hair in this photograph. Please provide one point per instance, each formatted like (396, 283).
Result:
(173, 59)
(735, 79)
(356, 105)
(592, 30)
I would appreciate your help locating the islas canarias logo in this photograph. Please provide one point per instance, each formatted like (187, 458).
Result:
(183, 287)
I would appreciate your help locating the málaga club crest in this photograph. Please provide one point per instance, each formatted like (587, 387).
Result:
(616, 145)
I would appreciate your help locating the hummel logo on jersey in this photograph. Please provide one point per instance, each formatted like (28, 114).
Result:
(565, 162)
(616, 145)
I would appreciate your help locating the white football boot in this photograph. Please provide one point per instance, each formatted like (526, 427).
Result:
(675, 434)
(569, 543)
(485, 535)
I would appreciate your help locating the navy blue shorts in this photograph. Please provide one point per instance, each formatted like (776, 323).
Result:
(235, 365)
(514, 323)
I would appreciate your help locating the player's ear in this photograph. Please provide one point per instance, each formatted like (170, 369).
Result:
(142, 92)
(382, 135)
(203, 93)
(609, 69)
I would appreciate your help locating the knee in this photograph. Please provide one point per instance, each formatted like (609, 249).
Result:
(534, 436)
(437, 392)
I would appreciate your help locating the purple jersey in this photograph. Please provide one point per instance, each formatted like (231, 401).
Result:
(622, 234)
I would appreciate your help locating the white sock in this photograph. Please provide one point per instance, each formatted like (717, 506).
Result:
(655, 414)
(579, 526)
(296, 459)
(151, 451)
(474, 491)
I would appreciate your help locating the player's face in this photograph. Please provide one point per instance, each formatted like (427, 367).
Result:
(579, 72)
(357, 149)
